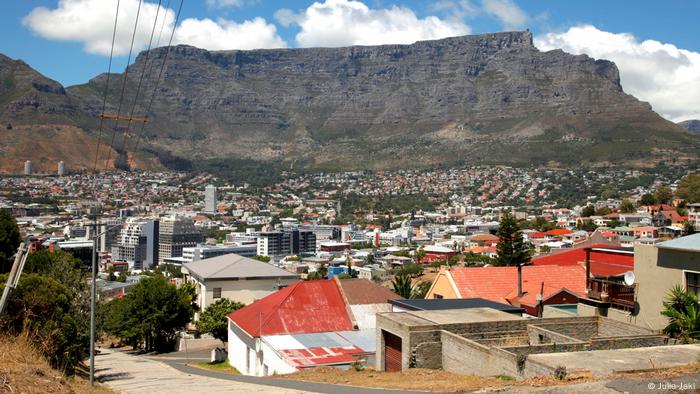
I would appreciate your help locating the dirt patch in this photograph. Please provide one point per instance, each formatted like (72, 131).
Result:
(415, 379)
(24, 370)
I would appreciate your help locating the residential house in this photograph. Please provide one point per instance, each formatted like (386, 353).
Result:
(657, 269)
(235, 277)
(556, 284)
(309, 324)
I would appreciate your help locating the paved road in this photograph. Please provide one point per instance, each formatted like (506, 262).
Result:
(179, 360)
(138, 374)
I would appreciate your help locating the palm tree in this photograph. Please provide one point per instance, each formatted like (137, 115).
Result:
(683, 311)
(402, 285)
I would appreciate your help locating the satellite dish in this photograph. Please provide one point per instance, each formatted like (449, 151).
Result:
(629, 278)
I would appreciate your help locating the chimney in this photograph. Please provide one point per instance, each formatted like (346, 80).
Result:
(520, 280)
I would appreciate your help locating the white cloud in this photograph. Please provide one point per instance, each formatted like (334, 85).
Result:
(90, 22)
(662, 74)
(511, 16)
(229, 3)
(225, 34)
(347, 22)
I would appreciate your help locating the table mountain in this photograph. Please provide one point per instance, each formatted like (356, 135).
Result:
(491, 98)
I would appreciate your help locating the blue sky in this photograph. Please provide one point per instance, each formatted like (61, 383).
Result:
(655, 43)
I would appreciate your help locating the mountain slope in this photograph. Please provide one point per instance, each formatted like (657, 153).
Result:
(692, 125)
(491, 98)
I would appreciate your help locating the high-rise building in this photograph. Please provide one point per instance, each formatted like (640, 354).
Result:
(288, 242)
(61, 168)
(138, 244)
(175, 233)
(108, 233)
(210, 199)
(28, 168)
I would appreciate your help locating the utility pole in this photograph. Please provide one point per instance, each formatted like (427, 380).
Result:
(93, 298)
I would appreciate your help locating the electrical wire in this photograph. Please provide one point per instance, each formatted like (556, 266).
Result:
(124, 79)
(104, 98)
(158, 79)
(143, 73)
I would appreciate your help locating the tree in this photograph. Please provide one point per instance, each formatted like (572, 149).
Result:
(603, 211)
(151, 313)
(402, 285)
(213, 319)
(264, 259)
(683, 311)
(9, 239)
(663, 194)
(626, 206)
(689, 188)
(45, 309)
(545, 249)
(588, 211)
(421, 290)
(647, 199)
(412, 270)
(420, 254)
(511, 248)
(688, 228)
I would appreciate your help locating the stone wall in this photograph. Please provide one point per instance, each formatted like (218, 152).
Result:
(538, 335)
(613, 328)
(584, 329)
(627, 342)
(464, 356)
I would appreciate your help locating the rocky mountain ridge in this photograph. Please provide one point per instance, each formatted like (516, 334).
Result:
(491, 98)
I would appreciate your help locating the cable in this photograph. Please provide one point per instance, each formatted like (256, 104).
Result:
(143, 73)
(104, 99)
(155, 89)
(126, 74)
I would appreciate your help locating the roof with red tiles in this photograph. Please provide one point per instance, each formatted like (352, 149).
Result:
(498, 283)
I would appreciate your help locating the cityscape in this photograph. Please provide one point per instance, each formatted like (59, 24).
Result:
(346, 196)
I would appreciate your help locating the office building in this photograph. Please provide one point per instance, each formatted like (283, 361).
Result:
(138, 244)
(28, 168)
(277, 244)
(210, 199)
(324, 232)
(203, 252)
(61, 168)
(176, 233)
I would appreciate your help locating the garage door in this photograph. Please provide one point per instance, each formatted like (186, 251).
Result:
(392, 352)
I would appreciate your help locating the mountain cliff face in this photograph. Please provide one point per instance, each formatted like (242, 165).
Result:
(490, 98)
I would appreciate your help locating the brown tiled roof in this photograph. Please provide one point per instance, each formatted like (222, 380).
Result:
(362, 291)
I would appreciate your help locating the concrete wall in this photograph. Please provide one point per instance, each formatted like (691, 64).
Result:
(461, 355)
(657, 271)
(541, 335)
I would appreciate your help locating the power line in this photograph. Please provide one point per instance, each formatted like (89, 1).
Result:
(104, 99)
(124, 78)
(143, 73)
(160, 73)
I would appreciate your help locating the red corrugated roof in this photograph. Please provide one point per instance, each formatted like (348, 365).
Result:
(321, 355)
(305, 307)
(602, 264)
(497, 283)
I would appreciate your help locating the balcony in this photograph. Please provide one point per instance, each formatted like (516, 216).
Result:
(612, 294)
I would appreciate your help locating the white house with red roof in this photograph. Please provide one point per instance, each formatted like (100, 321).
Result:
(305, 325)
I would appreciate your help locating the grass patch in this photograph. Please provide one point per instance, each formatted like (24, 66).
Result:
(223, 367)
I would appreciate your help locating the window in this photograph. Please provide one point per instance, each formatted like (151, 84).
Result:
(217, 292)
(437, 296)
(692, 282)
